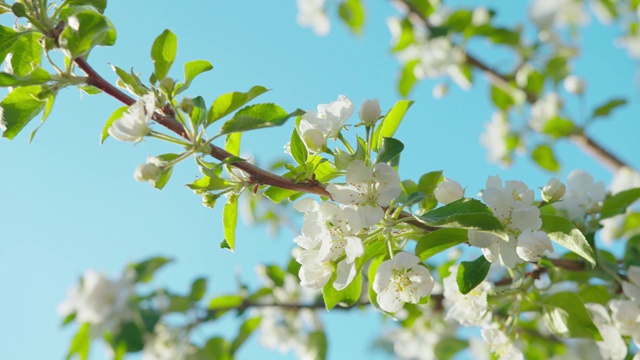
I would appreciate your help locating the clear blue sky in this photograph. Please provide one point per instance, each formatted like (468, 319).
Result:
(68, 204)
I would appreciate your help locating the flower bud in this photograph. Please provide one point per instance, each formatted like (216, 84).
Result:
(314, 139)
(574, 84)
(448, 191)
(553, 191)
(369, 111)
(148, 172)
(440, 91)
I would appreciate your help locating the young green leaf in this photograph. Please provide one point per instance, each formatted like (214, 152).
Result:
(227, 103)
(563, 232)
(298, 148)
(163, 53)
(606, 109)
(440, 240)
(317, 345)
(81, 342)
(464, 213)
(407, 78)
(19, 107)
(100, 5)
(191, 70)
(566, 316)
(390, 149)
(345, 297)
(472, 273)
(543, 156)
(232, 144)
(618, 203)
(130, 81)
(256, 117)
(352, 12)
(198, 289)
(230, 221)
(225, 302)
(426, 185)
(145, 270)
(390, 122)
(86, 28)
(116, 115)
(559, 127)
(26, 54)
(8, 37)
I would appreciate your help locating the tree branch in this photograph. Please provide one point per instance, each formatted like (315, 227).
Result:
(583, 141)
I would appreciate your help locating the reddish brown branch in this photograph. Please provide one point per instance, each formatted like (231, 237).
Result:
(583, 141)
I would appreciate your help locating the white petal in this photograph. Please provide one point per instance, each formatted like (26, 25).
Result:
(346, 273)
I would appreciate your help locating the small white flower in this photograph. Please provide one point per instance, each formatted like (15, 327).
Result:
(99, 301)
(625, 178)
(500, 345)
(316, 127)
(369, 111)
(612, 345)
(543, 110)
(626, 318)
(553, 191)
(313, 273)
(368, 189)
(583, 196)
(574, 85)
(470, 309)
(166, 344)
(557, 13)
(480, 16)
(632, 288)
(150, 171)
(401, 279)
(631, 42)
(311, 14)
(440, 91)
(134, 123)
(494, 139)
(448, 191)
(533, 244)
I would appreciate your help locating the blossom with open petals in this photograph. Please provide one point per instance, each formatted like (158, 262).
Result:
(316, 127)
(612, 345)
(469, 309)
(134, 123)
(401, 279)
(369, 189)
(311, 14)
(448, 191)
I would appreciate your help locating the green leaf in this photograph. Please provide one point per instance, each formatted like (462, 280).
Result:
(227, 103)
(405, 39)
(317, 345)
(8, 37)
(276, 274)
(47, 111)
(557, 69)
(563, 232)
(446, 348)
(440, 240)
(472, 273)
(198, 288)
(19, 107)
(232, 144)
(257, 117)
(191, 70)
(166, 171)
(246, 329)
(81, 342)
(130, 336)
(130, 81)
(501, 99)
(100, 5)
(230, 221)
(216, 348)
(209, 183)
(606, 109)
(591, 293)
(163, 53)
(116, 115)
(352, 12)
(407, 78)
(198, 113)
(225, 302)
(390, 122)
(544, 157)
(459, 20)
(632, 252)
(566, 316)
(559, 127)
(298, 148)
(26, 54)
(345, 297)
(145, 270)
(618, 203)
(391, 149)
(464, 213)
(427, 184)
(86, 28)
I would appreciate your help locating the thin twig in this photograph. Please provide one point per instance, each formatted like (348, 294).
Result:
(583, 141)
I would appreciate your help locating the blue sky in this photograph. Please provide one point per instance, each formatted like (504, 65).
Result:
(68, 204)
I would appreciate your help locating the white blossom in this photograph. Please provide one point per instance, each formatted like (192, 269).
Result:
(612, 345)
(313, 273)
(166, 344)
(625, 178)
(311, 14)
(99, 301)
(419, 341)
(369, 189)
(480, 16)
(574, 84)
(500, 345)
(448, 191)
(150, 171)
(543, 110)
(134, 123)
(494, 139)
(631, 42)
(557, 13)
(625, 315)
(369, 111)
(401, 279)
(440, 91)
(533, 244)
(583, 196)
(553, 191)
(469, 309)
(317, 126)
